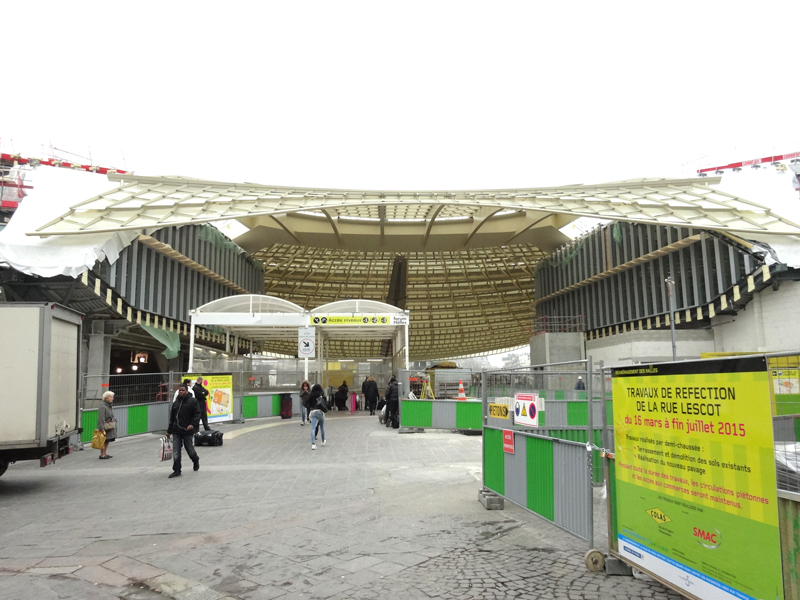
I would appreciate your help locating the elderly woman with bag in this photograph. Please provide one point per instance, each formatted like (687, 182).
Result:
(106, 423)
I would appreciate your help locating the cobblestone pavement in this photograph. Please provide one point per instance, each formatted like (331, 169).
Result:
(372, 514)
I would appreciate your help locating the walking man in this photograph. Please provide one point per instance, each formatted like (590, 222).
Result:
(184, 419)
(201, 394)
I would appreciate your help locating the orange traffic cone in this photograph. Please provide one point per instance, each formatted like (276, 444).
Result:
(461, 394)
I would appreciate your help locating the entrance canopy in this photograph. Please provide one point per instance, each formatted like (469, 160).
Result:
(274, 321)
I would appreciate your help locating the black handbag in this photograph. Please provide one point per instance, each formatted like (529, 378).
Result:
(322, 404)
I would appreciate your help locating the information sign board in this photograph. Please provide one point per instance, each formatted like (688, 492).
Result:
(526, 409)
(695, 476)
(219, 402)
(508, 441)
(306, 346)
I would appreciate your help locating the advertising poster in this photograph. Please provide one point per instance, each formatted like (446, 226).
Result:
(220, 395)
(785, 381)
(695, 476)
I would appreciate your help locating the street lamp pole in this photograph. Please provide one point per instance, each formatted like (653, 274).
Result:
(671, 293)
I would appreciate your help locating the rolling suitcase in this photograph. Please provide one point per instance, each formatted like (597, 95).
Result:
(286, 406)
(208, 438)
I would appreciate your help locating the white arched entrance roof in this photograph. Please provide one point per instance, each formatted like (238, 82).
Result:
(262, 318)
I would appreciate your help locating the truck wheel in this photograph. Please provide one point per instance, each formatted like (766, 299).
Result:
(3, 467)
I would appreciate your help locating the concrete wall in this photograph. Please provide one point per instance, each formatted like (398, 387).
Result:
(649, 346)
(769, 323)
(549, 348)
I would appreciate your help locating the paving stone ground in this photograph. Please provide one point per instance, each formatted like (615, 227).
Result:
(373, 514)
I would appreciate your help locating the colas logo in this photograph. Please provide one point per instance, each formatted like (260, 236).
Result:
(708, 538)
(658, 515)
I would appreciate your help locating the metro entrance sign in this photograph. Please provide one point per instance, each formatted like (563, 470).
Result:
(306, 347)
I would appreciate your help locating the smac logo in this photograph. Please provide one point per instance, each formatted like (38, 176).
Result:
(710, 538)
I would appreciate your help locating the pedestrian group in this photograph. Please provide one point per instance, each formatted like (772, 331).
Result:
(190, 407)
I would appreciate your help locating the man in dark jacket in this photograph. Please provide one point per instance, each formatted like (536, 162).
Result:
(371, 394)
(184, 419)
(392, 401)
(201, 394)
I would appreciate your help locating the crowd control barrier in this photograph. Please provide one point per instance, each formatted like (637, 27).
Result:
(547, 476)
(526, 413)
(131, 419)
(564, 416)
(442, 414)
(267, 404)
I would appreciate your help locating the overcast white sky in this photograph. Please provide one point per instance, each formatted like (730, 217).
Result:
(404, 94)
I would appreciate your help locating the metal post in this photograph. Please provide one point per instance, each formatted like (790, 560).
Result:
(484, 397)
(603, 411)
(671, 293)
(191, 346)
(305, 378)
(408, 319)
(590, 422)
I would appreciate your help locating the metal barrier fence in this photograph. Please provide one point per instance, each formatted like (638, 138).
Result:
(545, 473)
(131, 420)
(139, 388)
(267, 404)
(441, 414)
(142, 401)
(547, 476)
(565, 410)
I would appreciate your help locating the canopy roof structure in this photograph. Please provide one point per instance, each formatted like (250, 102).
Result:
(147, 202)
(460, 302)
(470, 255)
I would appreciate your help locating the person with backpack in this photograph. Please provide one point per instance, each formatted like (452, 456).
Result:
(310, 405)
(319, 407)
(392, 404)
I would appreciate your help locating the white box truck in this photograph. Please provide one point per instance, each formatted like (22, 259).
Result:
(40, 347)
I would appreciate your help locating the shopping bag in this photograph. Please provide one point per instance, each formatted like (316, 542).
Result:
(98, 439)
(165, 453)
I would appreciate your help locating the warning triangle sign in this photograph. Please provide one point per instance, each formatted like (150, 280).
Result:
(524, 412)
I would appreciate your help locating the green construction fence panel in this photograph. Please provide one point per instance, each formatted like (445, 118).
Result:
(579, 435)
(577, 414)
(89, 424)
(469, 415)
(276, 404)
(249, 407)
(417, 413)
(797, 429)
(137, 419)
(494, 474)
(539, 465)
(787, 404)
